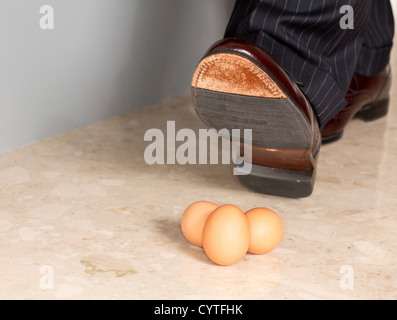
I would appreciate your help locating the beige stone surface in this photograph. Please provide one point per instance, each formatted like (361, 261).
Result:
(82, 216)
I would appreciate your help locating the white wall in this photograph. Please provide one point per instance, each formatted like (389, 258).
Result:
(104, 58)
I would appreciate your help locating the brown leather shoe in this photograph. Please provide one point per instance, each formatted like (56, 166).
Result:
(239, 86)
(368, 99)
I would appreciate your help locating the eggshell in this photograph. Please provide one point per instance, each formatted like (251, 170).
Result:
(267, 230)
(193, 220)
(226, 235)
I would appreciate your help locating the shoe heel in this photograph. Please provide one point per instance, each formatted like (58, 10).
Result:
(374, 111)
(279, 182)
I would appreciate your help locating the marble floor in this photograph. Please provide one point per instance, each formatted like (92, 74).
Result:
(82, 216)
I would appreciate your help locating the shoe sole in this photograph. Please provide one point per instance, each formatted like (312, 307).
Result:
(282, 160)
(369, 113)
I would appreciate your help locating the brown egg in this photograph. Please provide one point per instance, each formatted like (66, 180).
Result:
(267, 230)
(226, 235)
(193, 220)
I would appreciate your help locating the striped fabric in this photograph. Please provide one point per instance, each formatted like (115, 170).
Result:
(305, 38)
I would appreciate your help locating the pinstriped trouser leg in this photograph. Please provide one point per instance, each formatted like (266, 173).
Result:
(306, 39)
(378, 39)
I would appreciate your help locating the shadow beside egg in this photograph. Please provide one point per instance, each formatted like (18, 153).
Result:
(170, 228)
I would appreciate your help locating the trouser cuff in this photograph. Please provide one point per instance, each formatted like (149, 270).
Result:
(373, 60)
